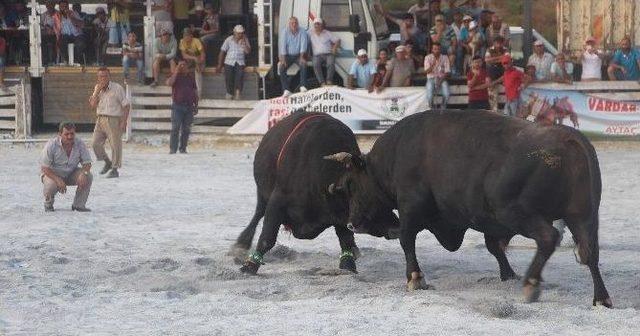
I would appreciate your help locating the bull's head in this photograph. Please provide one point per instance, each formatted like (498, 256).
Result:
(368, 211)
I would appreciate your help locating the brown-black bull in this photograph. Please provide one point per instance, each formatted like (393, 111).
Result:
(451, 171)
(292, 181)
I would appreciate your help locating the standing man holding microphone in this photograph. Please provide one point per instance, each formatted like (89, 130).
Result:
(112, 106)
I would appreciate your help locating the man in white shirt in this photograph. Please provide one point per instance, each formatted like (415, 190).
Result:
(112, 106)
(438, 68)
(591, 61)
(59, 165)
(324, 46)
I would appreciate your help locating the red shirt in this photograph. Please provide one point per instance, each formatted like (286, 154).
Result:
(480, 94)
(184, 91)
(512, 82)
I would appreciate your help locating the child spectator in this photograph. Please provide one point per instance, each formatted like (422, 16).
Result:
(493, 59)
(514, 82)
(478, 82)
(378, 78)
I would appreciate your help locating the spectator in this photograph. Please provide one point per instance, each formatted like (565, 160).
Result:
(196, 18)
(3, 60)
(408, 28)
(378, 78)
(383, 57)
(181, 15)
(59, 165)
(464, 44)
(478, 81)
(112, 106)
(77, 8)
(417, 59)
(211, 25)
(132, 54)
(473, 9)
(233, 56)
(456, 24)
(420, 12)
(561, 71)
(530, 71)
(446, 37)
(452, 11)
(184, 105)
(191, 49)
(324, 46)
(542, 61)
(70, 31)
(476, 40)
(438, 68)
(625, 64)
(49, 21)
(165, 52)
(514, 83)
(493, 59)
(101, 34)
(119, 23)
(161, 11)
(399, 70)
(292, 44)
(498, 28)
(591, 61)
(362, 72)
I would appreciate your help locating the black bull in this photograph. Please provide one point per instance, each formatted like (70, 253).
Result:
(292, 181)
(451, 171)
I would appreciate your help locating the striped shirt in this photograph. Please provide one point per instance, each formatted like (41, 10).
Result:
(235, 50)
(55, 157)
(293, 44)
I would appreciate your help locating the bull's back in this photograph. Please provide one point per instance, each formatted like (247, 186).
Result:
(291, 153)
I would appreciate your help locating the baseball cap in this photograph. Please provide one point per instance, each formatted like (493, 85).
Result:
(238, 29)
(400, 48)
(538, 43)
(362, 52)
(590, 39)
(467, 18)
(317, 20)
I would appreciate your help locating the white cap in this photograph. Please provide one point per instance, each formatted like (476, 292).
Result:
(400, 48)
(317, 20)
(538, 43)
(467, 18)
(473, 25)
(362, 52)
(238, 29)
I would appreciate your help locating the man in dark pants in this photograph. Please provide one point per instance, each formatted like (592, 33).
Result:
(184, 95)
(232, 57)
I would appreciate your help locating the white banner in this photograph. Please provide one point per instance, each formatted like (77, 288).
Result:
(363, 112)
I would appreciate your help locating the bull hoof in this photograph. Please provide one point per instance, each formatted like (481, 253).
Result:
(349, 264)
(606, 303)
(417, 282)
(532, 291)
(392, 233)
(249, 267)
(238, 253)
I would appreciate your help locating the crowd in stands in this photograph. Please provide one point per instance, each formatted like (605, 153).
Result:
(441, 44)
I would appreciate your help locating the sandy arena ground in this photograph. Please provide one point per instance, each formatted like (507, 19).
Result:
(150, 259)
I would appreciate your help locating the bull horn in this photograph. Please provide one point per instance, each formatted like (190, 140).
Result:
(342, 157)
(332, 188)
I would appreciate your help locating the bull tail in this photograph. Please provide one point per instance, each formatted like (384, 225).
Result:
(586, 230)
(246, 237)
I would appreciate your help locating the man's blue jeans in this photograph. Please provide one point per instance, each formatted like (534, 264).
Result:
(443, 90)
(181, 120)
(284, 78)
(127, 62)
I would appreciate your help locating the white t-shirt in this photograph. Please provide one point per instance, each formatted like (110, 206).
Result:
(591, 66)
(321, 43)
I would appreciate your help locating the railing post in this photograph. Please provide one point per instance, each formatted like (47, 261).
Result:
(149, 40)
(35, 40)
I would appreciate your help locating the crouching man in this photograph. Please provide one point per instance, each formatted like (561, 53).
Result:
(60, 159)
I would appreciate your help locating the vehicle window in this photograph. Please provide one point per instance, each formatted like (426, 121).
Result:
(356, 5)
(515, 43)
(335, 14)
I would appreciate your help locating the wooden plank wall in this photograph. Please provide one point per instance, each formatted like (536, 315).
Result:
(67, 90)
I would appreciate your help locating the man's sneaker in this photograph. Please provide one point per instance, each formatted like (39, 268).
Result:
(172, 152)
(48, 208)
(303, 89)
(80, 209)
(113, 173)
(286, 93)
(106, 168)
(183, 151)
(228, 96)
(153, 84)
